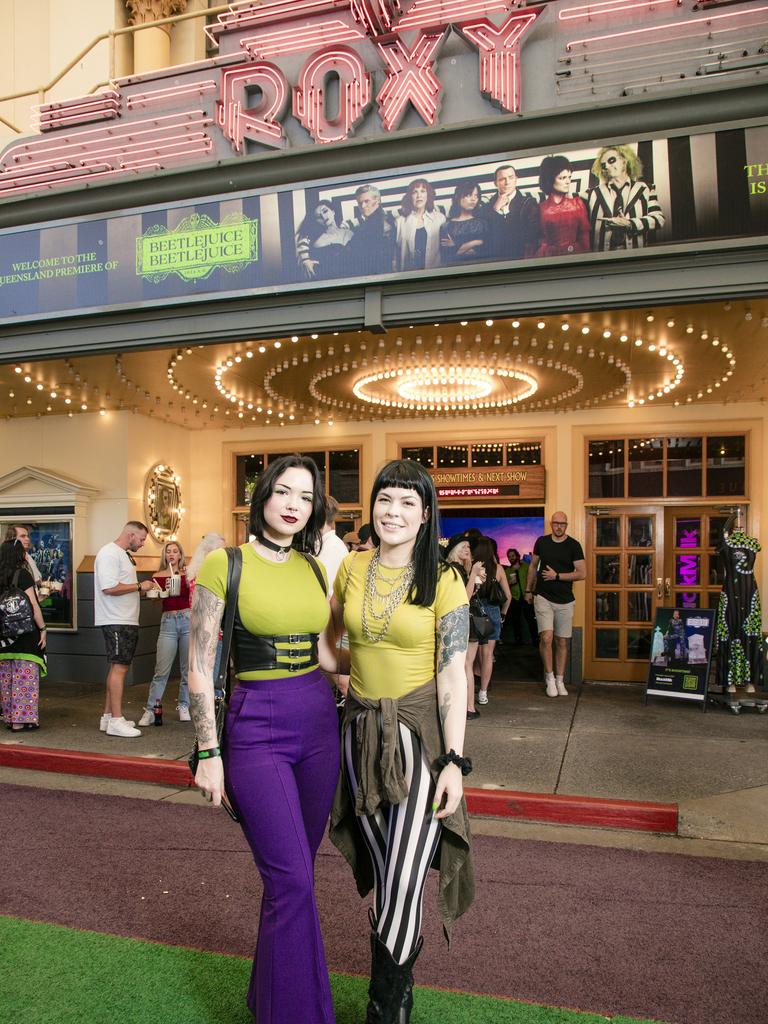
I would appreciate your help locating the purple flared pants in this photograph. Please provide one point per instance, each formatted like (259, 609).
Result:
(281, 762)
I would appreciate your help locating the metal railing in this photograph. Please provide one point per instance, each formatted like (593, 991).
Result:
(111, 36)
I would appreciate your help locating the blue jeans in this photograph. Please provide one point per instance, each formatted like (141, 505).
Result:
(173, 637)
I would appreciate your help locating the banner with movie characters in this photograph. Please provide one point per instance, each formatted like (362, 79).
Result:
(615, 197)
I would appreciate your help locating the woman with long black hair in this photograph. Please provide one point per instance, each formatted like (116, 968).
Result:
(22, 660)
(280, 762)
(399, 805)
(493, 597)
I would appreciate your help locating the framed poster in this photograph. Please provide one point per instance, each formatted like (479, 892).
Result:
(681, 654)
(51, 550)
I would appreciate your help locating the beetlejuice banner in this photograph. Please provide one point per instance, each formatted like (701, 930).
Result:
(617, 197)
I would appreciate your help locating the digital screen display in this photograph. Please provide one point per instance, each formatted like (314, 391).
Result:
(513, 528)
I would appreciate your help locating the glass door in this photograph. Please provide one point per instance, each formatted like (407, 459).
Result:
(624, 585)
(692, 574)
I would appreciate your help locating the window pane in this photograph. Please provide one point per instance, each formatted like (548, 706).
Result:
(725, 465)
(487, 455)
(688, 533)
(687, 599)
(276, 455)
(606, 469)
(424, 456)
(639, 644)
(524, 453)
(606, 643)
(639, 604)
(684, 462)
(640, 534)
(646, 476)
(247, 472)
(716, 524)
(606, 569)
(606, 606)
(453, 456)
(608, 532)
(640, 570)
(344, 469)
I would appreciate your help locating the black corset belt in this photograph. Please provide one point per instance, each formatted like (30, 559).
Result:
(291, 653)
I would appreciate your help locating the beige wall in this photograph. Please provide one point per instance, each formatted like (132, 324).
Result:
(114, 453)
(39, 38)
(564, 453)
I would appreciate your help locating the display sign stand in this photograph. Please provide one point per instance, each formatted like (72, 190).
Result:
(681, 654)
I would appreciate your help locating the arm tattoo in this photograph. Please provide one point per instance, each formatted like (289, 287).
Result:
(205, 724)
(445, 707)
(453, 633)
(204, 626)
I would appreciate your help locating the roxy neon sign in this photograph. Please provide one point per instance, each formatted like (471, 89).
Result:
(278, 29)
(364, 59)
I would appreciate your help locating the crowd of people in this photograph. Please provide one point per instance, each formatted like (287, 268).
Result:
(386, 766)
(621, 211)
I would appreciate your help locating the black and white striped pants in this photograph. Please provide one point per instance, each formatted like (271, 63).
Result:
(402, 840)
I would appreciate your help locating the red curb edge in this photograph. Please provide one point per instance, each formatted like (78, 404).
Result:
(496, 803)
(574, 810)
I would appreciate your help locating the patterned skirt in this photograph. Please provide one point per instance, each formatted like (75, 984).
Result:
(19, 691)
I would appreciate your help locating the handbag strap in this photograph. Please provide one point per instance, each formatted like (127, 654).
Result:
(316, 570)
(234, 571)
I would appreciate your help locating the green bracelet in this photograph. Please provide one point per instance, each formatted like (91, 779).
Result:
(203, 755)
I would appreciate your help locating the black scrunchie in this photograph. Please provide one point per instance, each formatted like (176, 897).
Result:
(464, 763)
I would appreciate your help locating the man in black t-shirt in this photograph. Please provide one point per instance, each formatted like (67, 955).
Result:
(557, 562)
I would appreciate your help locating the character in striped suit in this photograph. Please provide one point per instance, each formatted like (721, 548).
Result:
(623, 211)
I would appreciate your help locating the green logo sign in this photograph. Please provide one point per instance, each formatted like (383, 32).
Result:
(690, 682)
(197, 247)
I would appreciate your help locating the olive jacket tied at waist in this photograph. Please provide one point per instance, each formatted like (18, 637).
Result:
(381, 780)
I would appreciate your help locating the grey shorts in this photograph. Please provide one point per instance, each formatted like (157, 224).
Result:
(555, 617)
(120, 643)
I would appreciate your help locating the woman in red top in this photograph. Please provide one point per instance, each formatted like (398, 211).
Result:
(562, 217)
(174, 631)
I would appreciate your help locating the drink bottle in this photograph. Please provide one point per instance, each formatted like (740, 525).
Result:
(158, 710)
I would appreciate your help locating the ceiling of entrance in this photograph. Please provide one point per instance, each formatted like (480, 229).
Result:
(622, 359)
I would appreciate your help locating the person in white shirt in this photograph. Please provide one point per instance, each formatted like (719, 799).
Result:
(333, 550)
(116, 594)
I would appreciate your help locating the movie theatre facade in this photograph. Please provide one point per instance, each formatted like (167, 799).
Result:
(524, 244)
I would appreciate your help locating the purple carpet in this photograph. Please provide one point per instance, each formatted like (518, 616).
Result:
(669, 937)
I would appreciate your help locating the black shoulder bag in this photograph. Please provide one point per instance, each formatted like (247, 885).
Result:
(222, 684)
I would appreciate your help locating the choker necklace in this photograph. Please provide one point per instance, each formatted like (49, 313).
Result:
(282, 550)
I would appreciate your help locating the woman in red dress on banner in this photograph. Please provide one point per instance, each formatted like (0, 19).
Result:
(562, 217)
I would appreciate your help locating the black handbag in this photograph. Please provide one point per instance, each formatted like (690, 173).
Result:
(222, 684)
(495, 593)
(480, 626)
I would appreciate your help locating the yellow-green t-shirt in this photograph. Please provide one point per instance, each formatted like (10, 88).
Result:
(405, 657)
(275, 598)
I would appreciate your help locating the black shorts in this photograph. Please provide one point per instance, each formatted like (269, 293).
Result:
(120, 643)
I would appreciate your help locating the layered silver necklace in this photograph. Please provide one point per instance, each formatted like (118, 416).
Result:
(378, 607)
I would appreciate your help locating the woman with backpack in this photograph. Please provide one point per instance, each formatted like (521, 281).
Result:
(22, 640)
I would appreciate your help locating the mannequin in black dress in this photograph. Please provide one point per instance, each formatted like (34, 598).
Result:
(739, 619)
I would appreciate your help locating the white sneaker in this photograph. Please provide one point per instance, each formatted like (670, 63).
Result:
(119, 727)
(184, 715)
(148, 718)
(104, 721)
(561, 690)
(482, 697)
(551, 686)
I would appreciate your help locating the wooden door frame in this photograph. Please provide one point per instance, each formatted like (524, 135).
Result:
(621, 669)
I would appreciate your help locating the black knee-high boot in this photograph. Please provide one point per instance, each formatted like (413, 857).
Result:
(390, 994)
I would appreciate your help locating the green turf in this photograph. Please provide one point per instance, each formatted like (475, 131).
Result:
(55, 975)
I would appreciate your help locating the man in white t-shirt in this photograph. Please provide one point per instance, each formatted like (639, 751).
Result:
(116, 594)
(333, 550)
